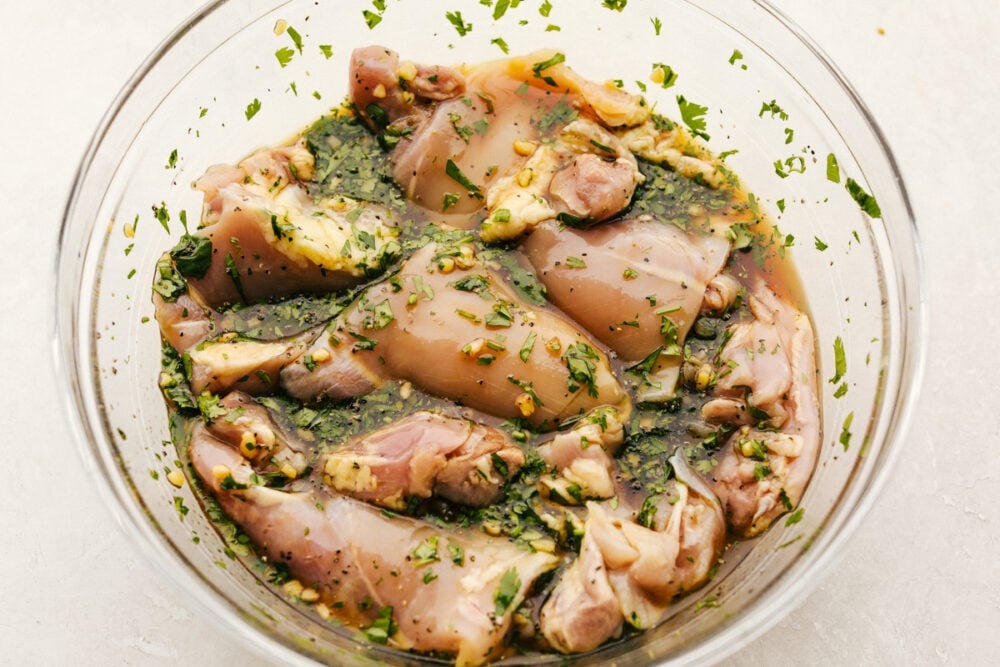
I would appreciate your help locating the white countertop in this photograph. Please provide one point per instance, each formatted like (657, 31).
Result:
(918, 584)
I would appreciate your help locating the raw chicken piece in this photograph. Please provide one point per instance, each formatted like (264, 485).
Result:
(252, 366)
(453, 143)
(398, 90)
(452, 592)
(459, 333)
(582, 457)
(183, 323)
(644, 568)
(586, 175)
(425, 454)
(269, 239)
(643, 283)
(248, 425)
(583, 611)
(769, 362)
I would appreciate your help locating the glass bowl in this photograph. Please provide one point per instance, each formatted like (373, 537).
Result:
(187, 107)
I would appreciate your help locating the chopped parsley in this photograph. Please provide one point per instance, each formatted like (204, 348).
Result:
(284, 56)
(795, 517)
(381, 629)
(832, 168)
(371, 18)
(425, 553)
(579, 359)
(192, 256)
(456, 175)
(864, 200)
(693, 116)
(772, 108)
(252, 109)
(540, 67)
(839, 360)
(461, 27)
(845, 431)
(527, 347)
(456, 553)
(510, 584)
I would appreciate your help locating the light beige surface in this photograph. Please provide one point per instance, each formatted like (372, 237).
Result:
(918, 584)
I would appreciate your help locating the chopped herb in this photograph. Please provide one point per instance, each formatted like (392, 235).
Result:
(169, 283)
(820, 245)
(647, 514)
(284, 56)
(602, 147)
(669, 331)
(630, 274)
(208, 405)
(657, 25)
(455, 18)
(832, 168)
(839, 360)
(296, 39)
(500, 317)
(579, 359)
(693, 116)
(456, 553)
(172, 160)
(616, 5)
(499, 464)
(708, 603)
(192, 256)
(575, 263)
(429, 576)
(540, 67)
(371, 18)
(789, 135)
(162, 215)
(382, 628)
(737, 55)
(794, 517)
(181, 508)
(545, 8)
(326, 50)
(252, 109)
(864, 200)
(456, 174)
(795, 164)
(774, 110)
(363, 343)
(760, 471)
(781, 205)
(449, 200)
(234, 275)
(510, 584)
(845, 433)
(841, 390)
(425, 553)
(502, 6)
(529, 344)
(786, 502)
